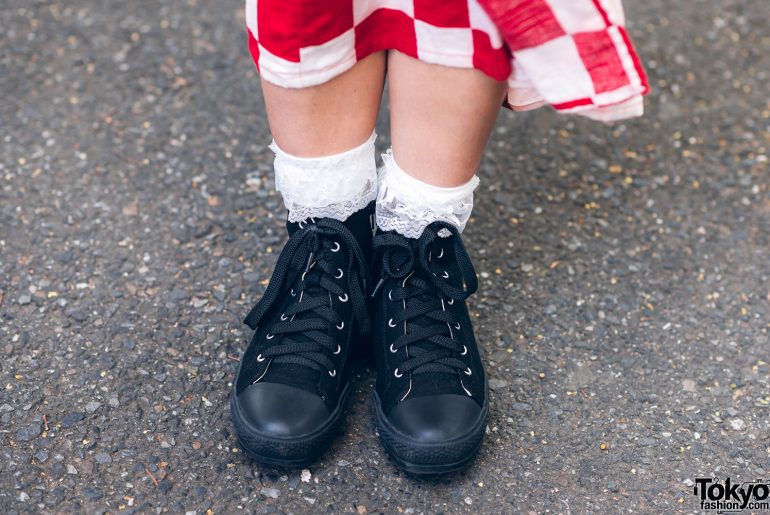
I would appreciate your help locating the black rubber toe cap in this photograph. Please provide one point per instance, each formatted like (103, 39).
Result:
(275, 409)
(435, 418)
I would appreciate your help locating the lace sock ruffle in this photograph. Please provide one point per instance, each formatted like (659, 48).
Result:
(333, 186)
(407, 205)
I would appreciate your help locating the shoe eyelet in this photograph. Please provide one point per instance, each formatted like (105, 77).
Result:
(468, 371)
(391, 323)
(397, 373)
(392, 349)
(260, 358)
(450, 301)
(339, 349)
(342, 324)
(445, 275)
(269, 336)
(390, 295)
(336, 247)
(283, 316)
(293, 293)
(333, 373)
(465, 351)
(441, 253)
(341, 274)
(457, 326)
(343, 297)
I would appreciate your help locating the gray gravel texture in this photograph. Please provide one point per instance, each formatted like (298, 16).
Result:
(624, 302)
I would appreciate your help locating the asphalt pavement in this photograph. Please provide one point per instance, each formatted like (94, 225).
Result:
(623, 308)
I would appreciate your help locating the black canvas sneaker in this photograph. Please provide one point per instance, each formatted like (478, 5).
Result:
(431, 401)
(289, 394)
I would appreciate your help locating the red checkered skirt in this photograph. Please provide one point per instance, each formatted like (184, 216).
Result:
(574, 55)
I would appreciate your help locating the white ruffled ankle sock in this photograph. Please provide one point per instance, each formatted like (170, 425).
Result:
(333, 186)
(408, 205)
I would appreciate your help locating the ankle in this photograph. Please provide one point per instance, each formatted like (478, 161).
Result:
(408, 205)
(334, 186)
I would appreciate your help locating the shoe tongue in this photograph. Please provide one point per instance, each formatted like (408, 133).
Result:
(293, 374)
(423, 320)
(448, 264)
(315, 291)
(435, 380)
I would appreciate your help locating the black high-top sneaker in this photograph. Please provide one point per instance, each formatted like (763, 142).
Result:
(430, 402)
(291, 387)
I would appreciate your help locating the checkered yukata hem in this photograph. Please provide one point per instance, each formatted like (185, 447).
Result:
(574, 55)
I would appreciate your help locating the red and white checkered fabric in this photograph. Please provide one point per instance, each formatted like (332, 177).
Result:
(572, 54)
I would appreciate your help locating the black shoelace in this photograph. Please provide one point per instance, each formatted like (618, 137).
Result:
(424, 288)
(303, 269)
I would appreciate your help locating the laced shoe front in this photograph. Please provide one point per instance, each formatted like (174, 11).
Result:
(431, 397)
(290, 390)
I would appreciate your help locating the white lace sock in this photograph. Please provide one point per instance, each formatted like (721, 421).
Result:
(331, 186)
(408, 205)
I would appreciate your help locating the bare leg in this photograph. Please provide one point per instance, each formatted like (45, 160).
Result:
(441, 118)
(329, 118)
(440, 121)
(288, 397)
